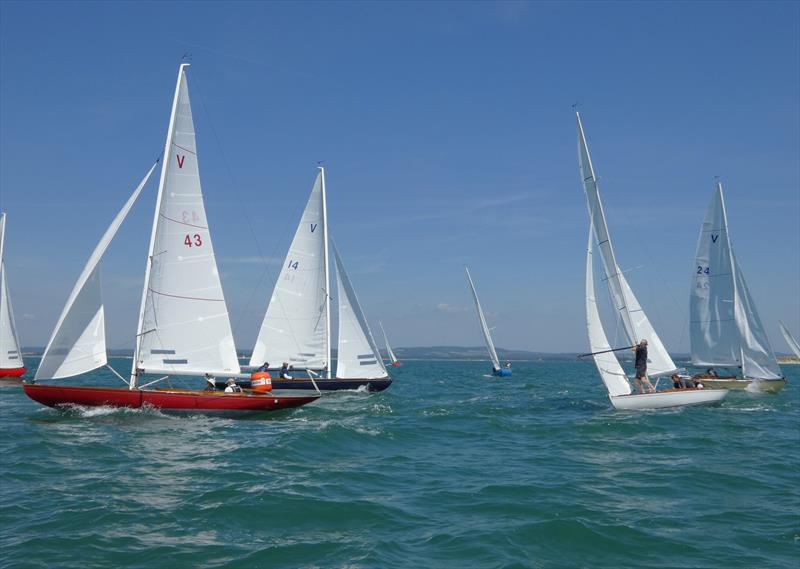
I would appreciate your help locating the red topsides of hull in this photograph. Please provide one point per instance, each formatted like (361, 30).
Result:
(396, 364)
(12, 372)
(166, 399)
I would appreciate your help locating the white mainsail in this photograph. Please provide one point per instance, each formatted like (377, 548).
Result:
(792, 343)
(10, 354)
(635, 323)
(358, 355)
(296, 327)
(487, 337)
(607, 363)
(184, 326)
(725, 328)
(78, 342)
(389, 352)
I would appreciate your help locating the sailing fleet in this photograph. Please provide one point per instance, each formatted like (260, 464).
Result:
(184, 327)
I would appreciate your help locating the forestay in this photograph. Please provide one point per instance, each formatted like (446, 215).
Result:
(725, 327)
(389, 352)
(78, 342)
(10, 355)
(635, 323)
(793, 345)
(607, 363)
(184, 325)
(487, 337)
(358, 356)
(295, 327)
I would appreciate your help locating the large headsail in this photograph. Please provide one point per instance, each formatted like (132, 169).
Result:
(790, 341)
(183, 324)
(296, 325)
(635, 323)
(712, 323)
(758, 359)
(487, 337)
(389, 352)
(10, 354)
(358, 355)
(607, 363)
(78, 342)
(725, 327)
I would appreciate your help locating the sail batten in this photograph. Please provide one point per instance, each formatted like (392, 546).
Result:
(487, 337)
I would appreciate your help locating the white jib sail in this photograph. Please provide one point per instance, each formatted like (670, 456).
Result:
(635, 323)
(10, 354)
(184, 325)
(713, 332)
(358, 355)
(389, 352)
(792, 343)
(487, 337)
(78, 342)
(608, 365)
(758, 359)
(295, 327)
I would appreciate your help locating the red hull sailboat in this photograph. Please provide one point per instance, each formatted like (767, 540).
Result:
(184, 328)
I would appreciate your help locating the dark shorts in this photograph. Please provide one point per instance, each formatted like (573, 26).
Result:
(641, 372)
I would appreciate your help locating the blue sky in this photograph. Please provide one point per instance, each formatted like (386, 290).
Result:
(448, 137)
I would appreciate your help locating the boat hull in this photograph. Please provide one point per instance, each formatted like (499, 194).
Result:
(171, 400)
(12, 372)
(505, 372)
(668, 398)
(739, 384)
(323, 384)
(396, 364)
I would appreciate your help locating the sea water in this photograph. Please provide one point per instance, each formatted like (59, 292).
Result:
(447, 468)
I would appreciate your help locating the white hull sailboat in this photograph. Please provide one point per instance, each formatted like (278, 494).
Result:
(11, 364)
(725, 328)
(297, 325)
(635, 324)
(184, 328)
(497, 369)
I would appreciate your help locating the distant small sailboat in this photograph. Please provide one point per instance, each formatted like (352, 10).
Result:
(11, 364)
(790, 341)
(635, 324)
(183, 329)
(725, 329)
(296, 327)
(497, 369)
(389, 352)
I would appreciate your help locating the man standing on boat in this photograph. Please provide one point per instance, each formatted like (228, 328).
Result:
(641, 368)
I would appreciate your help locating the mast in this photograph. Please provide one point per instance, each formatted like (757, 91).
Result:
(156, 212)
(328, 363)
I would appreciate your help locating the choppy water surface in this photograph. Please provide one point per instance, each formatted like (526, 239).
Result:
(448, 468)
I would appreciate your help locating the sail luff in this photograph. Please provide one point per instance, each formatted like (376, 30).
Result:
(487, 338)
(88, 324)
(156, 212)
(790, 341)
(326, 263)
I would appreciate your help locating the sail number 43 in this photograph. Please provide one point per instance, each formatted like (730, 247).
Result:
(193, 240)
